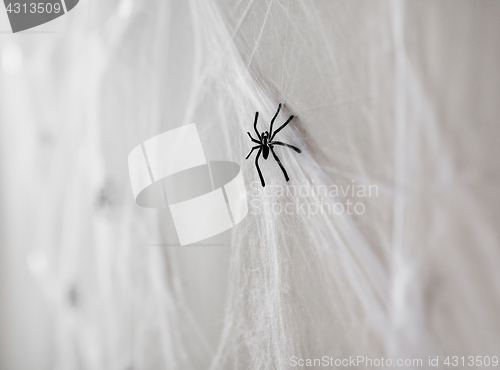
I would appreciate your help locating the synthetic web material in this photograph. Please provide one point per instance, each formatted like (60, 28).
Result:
(379, 99)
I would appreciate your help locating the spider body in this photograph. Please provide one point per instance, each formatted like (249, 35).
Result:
(266, 144)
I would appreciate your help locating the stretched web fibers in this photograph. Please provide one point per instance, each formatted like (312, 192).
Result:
(415, 275)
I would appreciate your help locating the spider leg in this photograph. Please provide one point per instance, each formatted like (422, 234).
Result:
(279, 163)
(253, 148)
(258, 168)
(272, 121)
(282, 126)
(287, 145)
(251, 138)
(255, 125)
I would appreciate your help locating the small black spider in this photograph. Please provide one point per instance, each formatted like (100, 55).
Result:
(266, 144)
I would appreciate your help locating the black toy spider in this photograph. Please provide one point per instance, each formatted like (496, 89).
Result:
(266, 144)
